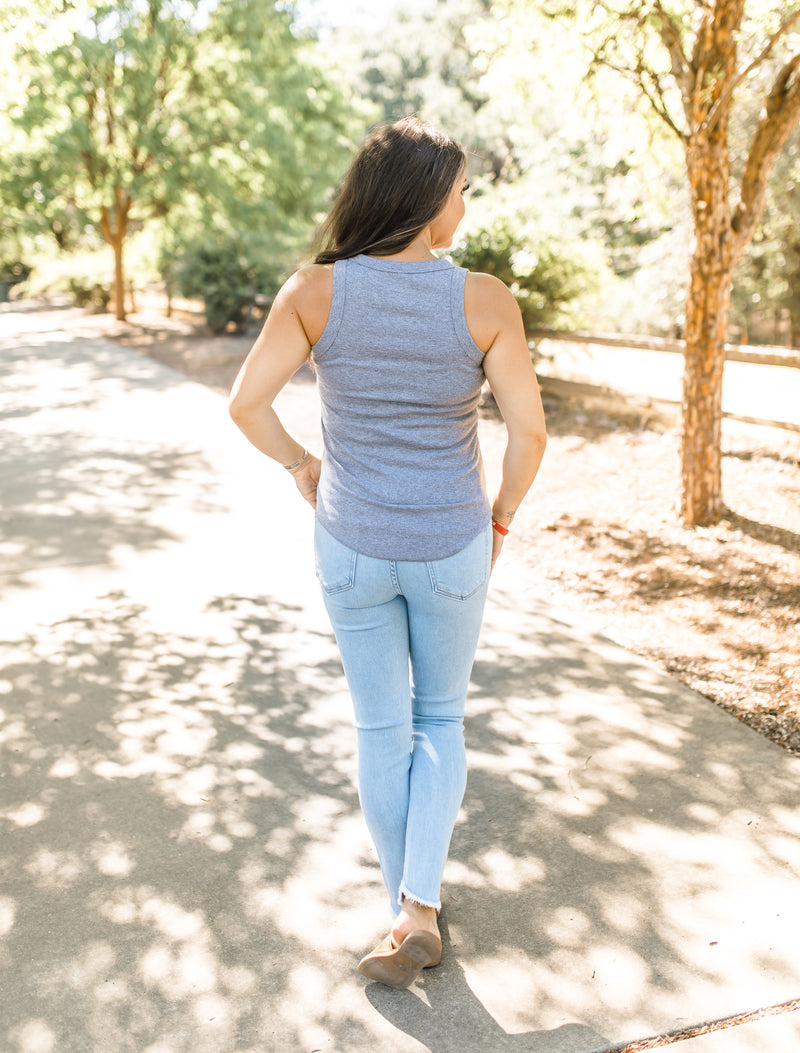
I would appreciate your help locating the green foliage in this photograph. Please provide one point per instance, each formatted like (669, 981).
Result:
(542, 280)
(86, 292)
(656, 48)
(424, 60)
(226, 270)
(567, 173)
(14, 271)
(216, 274)
(765, 297)
(123, 112)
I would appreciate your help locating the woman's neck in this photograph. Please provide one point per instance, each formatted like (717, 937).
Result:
(420, 250)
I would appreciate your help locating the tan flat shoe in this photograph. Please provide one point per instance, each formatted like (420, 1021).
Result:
(399, 966)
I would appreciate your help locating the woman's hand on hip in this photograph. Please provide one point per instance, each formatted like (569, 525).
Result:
(497, 547)
(307, 479)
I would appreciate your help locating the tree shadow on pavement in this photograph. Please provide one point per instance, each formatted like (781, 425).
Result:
(184, 865)
(176, 815)
(73, 494)
(186, 868)
(787, 539)
(613, 823)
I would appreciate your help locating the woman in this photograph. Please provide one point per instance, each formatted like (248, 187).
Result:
(405, 536)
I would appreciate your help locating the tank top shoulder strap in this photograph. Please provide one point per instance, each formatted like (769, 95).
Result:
(336, 314)
(457, 283)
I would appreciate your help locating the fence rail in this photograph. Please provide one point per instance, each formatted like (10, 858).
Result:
(766, 355)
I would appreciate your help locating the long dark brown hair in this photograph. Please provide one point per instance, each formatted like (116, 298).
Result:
(398, 183)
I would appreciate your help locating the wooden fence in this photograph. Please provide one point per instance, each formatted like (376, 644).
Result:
(767, 355)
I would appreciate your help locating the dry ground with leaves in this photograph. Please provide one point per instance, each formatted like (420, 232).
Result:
(718, 608)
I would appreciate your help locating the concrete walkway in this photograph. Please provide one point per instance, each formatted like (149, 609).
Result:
(184, 868)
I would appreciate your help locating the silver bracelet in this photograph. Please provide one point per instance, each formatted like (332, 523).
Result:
(291, 467)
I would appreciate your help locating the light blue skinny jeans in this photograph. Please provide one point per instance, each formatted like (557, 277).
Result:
(407, 633)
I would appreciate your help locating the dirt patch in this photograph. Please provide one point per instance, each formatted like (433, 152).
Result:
(718, 608)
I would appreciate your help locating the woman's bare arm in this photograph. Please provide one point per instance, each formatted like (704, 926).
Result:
(295, 321)
(496, 325)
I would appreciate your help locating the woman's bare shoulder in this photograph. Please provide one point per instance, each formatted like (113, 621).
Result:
(309, 292)
(489, 305)
(312, 280)
(488, 290)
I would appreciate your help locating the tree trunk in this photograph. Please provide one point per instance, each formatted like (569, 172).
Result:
(707, 307)
(707, 107)
(119, 280)
(114, 231)
(703, 67)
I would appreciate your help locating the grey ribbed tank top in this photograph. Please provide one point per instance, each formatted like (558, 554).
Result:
(399, 378)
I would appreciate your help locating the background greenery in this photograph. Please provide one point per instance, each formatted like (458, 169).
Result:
(227, 125)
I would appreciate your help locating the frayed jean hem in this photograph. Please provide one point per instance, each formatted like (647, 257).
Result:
(406, 895)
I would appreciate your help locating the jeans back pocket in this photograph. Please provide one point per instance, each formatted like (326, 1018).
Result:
(462, 575)
(335, 562)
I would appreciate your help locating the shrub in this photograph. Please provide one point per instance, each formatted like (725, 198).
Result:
(227, 271)
(87, 293)
(12, 273)
(542, 279)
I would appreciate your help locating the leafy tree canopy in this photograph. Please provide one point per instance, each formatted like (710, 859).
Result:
(124, 109)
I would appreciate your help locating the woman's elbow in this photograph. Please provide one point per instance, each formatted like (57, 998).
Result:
(234, 407)
(240, 408)
(530, 434)
(538, 443)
